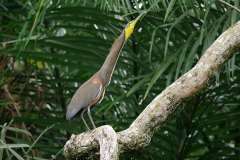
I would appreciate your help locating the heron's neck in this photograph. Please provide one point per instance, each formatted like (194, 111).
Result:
(111, 60)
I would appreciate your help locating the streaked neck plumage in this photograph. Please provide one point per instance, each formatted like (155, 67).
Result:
(109, 64)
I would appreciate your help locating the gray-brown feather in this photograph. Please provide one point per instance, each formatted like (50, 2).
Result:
(83, 97)
(111, 60)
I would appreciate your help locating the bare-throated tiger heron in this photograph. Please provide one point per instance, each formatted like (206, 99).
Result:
(92, 91)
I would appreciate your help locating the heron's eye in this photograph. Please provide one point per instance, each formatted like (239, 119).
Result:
(127, 25)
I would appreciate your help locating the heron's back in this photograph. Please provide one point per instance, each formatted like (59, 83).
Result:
(82, 98)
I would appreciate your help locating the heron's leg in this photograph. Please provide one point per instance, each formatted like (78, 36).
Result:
(89, 114)
(84, 110)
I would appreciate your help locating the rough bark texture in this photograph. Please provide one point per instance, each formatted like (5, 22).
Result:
(104, 136)
(156, 113)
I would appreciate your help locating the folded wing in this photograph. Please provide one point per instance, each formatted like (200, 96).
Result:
(85, 95)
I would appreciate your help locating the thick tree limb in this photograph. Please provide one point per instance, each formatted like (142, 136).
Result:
(103, 136)
(156, 113)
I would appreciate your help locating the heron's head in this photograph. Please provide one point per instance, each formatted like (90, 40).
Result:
(130, 26)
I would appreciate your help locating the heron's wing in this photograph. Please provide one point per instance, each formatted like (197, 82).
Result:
(84, 96)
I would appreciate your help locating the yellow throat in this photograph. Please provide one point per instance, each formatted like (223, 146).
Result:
(130, 26)
(129, 29)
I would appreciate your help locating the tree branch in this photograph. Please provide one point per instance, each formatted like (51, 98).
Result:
(104, 136)
(9, 96)
(159, 110)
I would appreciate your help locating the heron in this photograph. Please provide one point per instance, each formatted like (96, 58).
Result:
(91, 93)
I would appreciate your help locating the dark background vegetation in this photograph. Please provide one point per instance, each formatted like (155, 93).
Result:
(50, 47)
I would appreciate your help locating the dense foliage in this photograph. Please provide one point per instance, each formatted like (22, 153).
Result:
(50, 47)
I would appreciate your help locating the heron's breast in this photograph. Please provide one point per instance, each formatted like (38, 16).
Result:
(100, 95)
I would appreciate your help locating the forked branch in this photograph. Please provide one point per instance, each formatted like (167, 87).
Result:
(159, 110)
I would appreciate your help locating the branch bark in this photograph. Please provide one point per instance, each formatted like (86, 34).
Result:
(139, 134)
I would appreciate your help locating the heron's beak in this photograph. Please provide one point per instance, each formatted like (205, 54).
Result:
(136, 19)
(129, 28)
